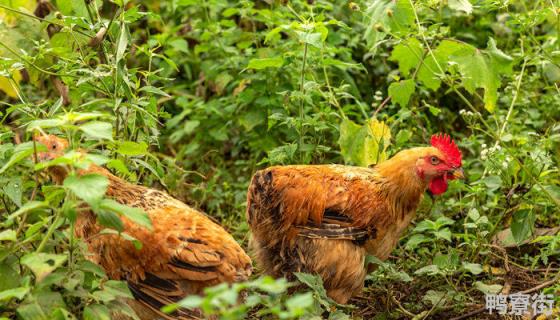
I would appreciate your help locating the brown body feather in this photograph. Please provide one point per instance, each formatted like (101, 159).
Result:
(185, 252)
(350, 211)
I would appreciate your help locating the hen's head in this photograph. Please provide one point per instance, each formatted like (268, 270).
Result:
(439, 163)
(55, 146)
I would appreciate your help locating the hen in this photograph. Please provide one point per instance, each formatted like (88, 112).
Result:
(185, 252)
(324, 219)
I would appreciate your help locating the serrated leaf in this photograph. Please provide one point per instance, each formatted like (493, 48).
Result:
(482, 69)
(98, 130)
(408, 55)
(429, 72)
(364, 145)
(136, 215)
(401, 91)
(89, 187)
(415, 240)
(154, 90)
(109, 219)
(263, 63)
(42, 264)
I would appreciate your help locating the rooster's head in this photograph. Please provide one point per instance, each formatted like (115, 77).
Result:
(439, 163)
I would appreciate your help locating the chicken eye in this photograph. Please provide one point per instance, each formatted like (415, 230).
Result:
(434, 160)
(54, 146)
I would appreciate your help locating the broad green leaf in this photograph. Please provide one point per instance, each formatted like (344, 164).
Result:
(408, 54)
(263, 63)
(23, 151)
(98, 130)
(312, 38)
(297, 304)
(43, 264)
(482, 69)
(460, 5)
(137, 243)
(131, 148)
(13, 189)
(435, 63)
(17, 293)
(136, 215)
(488, 288)
(434, 297)
(45, 124)
(522, 224)
(401, 91)
(96, 312)
(415, 240)
(109, 219)
(89, 187)
(364, 145)
(8, 235)
(473, 268)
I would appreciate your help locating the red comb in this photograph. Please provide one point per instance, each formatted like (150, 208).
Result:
(447, 146)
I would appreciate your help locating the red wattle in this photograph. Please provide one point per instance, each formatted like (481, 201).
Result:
(438, 185)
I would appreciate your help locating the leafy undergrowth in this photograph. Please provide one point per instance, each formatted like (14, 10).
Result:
(192, 97)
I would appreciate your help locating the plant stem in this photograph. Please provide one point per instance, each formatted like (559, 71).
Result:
(302, 91)
(50, 231)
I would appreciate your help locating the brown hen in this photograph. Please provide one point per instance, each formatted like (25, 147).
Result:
(185, 252)
(324, 219)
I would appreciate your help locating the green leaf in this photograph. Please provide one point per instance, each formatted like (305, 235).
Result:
(98, 130)
(13, 189)
(263, 63)
(364, 145)
(435, 65)
(388, 16)
(23, 151)
(43, 264)
(488, 288)
(429, 270)
(473, 268)
(96, 312)
(416, 240)
(131, 148)
(17, 293)
(312, 38)
(28, 206)
(109, 219)
(136, 215)
(154, 90)
(522, 224)
(89, 187)
(460, 5)
(401, 91)
(122, 43)
(408, 54)
(8, 235)
(137, 243)
(482, 69)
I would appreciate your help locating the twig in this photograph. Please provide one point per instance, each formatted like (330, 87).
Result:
(381, 105)
(542, 285)
(408, 313)
(470, 314)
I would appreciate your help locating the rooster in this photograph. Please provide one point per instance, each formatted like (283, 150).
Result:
(185, 252)
(324, 219)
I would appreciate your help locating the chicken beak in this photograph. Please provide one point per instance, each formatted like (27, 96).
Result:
(458, 173)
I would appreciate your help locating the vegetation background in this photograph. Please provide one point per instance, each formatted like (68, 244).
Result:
(193, 96)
